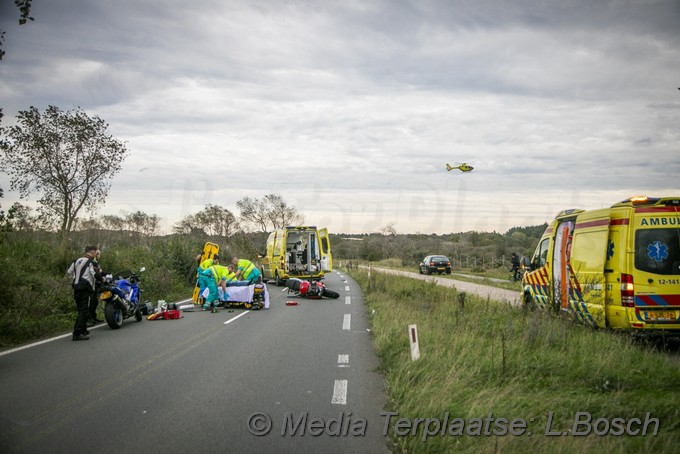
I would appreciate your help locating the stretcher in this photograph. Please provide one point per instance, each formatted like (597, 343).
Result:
(254, 296)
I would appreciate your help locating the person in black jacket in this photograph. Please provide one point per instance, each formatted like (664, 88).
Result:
(94, 299)
(83, 277)
(514, 260)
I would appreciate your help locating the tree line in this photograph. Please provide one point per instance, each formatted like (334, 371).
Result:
(477, 250)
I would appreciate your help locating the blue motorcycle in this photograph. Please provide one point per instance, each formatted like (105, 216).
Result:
(121, 298)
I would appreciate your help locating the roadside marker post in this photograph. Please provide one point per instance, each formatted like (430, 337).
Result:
(413, 340)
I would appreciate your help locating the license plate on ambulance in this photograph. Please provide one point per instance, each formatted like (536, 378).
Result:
(661, 315)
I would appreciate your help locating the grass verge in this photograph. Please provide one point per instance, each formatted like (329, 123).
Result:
(482, 361)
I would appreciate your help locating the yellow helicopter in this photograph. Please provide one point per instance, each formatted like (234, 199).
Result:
(464, 167)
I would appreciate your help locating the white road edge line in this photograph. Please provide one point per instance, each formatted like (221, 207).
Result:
(340, 392)
(234, 318)
(14, 350)
(35, 344)
(346, 322)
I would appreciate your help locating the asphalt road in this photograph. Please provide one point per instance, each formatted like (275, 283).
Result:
(486, 291)
(195, 384)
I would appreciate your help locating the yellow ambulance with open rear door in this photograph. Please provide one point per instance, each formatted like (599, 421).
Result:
(616, 267)
(303, 252)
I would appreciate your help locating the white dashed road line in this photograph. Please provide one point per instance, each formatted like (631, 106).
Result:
(234, 318)
(340, 392)
(348, 300)
(346, 322)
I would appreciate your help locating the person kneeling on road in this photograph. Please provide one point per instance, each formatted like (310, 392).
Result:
(204, 265)
(217, 278)
(228, 279)
(246, 270)
(208, 280)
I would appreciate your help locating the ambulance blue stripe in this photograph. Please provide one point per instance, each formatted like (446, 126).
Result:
(659, 300)
(579, 307)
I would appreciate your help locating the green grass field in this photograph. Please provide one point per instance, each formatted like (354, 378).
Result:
(484, 365)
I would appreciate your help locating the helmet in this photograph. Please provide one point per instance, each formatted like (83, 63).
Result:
(304, 288)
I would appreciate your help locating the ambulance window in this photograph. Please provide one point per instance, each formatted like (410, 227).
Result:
(541, 254)
(277, 241)
(658, 251)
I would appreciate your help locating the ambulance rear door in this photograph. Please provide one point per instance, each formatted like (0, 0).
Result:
(586, 266)
(656, 264)
(325, 249)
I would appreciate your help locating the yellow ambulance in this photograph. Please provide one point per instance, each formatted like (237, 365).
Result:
(303, 252)
(616, 267)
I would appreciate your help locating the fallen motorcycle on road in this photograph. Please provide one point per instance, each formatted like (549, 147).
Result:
(309, 289)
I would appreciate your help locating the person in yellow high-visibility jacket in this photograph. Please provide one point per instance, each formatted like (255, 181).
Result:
(209, 281)
(246, 270)
(205, 264)
(226, 277)
(204, 279)
(231, 280)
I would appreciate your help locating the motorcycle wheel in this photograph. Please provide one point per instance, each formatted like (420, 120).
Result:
(330, 294)
(113, 315)
(138, 315)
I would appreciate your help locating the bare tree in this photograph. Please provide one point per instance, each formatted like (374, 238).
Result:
(216, 220)
(112, 222)
(67, 157)
(254, 211)
(187, 225)
(141, 223)
(270, 212)
(90, 224)
(280, 214)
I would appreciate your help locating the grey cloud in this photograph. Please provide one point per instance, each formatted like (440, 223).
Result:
(357, 99)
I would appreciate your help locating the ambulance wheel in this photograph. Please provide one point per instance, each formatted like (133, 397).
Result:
(279, 281)
(529, 302)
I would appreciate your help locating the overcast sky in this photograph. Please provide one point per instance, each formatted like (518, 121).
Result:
(351, 109)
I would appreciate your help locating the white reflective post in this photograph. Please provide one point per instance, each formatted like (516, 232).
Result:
(413, 340)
